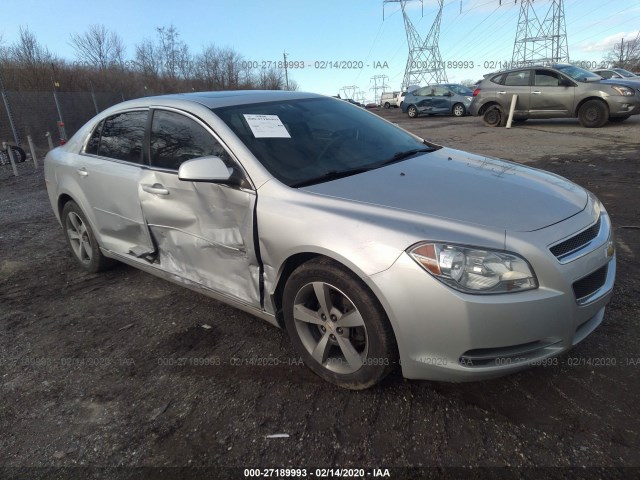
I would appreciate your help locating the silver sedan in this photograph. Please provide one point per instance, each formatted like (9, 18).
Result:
(373, 248)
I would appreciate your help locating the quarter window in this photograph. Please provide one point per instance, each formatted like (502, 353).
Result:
(94, 141)
(122, 136)
(176, 139)
(517, 79)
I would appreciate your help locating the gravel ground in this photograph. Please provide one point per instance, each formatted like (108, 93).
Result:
(103, 373)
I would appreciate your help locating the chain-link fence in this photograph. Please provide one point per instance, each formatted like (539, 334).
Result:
(36, 113)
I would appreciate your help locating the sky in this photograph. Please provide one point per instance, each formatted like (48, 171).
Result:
(317, 34)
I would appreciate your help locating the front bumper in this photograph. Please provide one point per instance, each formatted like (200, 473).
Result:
(446, 335)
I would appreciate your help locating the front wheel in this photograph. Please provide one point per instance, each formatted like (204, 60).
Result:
(412, 111)
(338, 326)
(459, 110)
(593, 114)
(81, 239)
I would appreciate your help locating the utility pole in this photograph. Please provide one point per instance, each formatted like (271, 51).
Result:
(286, 73)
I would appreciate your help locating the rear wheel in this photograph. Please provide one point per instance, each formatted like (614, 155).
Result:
(338, 326)
(81, 239)
(412, 111)
(458, 110)
(387, 105)
(494, 116)
(593, 114)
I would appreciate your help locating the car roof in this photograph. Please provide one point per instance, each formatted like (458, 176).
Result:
(216, 99)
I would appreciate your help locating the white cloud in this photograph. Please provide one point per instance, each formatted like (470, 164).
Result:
(603, 45)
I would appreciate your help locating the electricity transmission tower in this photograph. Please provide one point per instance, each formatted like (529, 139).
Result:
(540, 41)
(349, 91)
(424, 64)
(379, 83)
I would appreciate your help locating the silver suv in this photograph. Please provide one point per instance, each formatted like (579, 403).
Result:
(555, 92)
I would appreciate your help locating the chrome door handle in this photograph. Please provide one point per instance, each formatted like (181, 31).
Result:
(82, 172)
(536, 92)
(156, 189)
(501, 93)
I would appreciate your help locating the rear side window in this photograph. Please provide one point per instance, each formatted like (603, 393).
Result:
(176, 139)
(498, 79)
(517, 79)
(122, 136)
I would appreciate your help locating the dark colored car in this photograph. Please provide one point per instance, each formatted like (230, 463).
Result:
(444, 99)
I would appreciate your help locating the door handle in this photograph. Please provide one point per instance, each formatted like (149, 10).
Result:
(501, 93)
(156, 189)
(537, 92)
(82, 172)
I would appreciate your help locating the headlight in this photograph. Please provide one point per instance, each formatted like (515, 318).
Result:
(474, 270)
(626, 91)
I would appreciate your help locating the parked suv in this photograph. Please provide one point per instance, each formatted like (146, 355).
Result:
(554, 92)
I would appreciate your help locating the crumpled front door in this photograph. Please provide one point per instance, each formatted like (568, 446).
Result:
(203, 232)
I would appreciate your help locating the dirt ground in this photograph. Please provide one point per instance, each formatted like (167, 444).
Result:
(124, 370)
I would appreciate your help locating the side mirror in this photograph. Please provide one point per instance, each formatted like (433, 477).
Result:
(448, 94)
(207, 169)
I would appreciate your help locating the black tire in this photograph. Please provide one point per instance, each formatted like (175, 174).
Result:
(458, 110)
(387, 105)
(355, 354)
(18, 154)
(593, 114)
(412, 111)
(494, 116)
(81, 239)
(617, 119)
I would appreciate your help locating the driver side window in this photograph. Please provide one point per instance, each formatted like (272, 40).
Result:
(176, 138)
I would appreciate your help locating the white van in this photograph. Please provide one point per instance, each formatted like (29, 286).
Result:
(389, 99)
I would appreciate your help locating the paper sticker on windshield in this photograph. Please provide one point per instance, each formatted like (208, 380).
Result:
(266, 126)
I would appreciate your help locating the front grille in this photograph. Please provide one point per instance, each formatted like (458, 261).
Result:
(576, 242)
(590, 284)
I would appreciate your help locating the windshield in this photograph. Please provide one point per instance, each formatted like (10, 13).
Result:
(578, 74)
(317, 139)
(460, 90)
(623, 72)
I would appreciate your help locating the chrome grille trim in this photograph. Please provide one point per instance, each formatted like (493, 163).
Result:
(579, 244)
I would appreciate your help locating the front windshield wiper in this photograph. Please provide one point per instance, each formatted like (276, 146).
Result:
(331, 175)
(336, 174)
(399, 156)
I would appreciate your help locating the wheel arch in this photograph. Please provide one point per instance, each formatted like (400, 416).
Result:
(486, 105)
(585, 100)
(297, 259)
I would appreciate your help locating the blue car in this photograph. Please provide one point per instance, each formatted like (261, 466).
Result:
(444, 99)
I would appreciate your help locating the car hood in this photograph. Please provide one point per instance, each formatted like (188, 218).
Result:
(464, 187)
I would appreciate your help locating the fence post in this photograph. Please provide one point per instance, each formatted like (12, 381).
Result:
(32, 147)
(48, 135)
(11, 159)
(16, 137)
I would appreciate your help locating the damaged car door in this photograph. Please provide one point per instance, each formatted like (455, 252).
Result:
(202, 231)
(108, 171)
